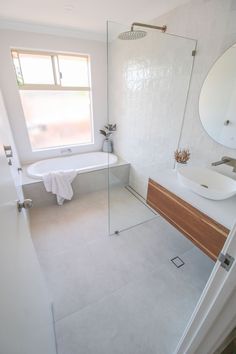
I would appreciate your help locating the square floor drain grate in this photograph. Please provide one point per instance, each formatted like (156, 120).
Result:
(177, 262)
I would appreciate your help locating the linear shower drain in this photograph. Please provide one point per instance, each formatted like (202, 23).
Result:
(178, 262)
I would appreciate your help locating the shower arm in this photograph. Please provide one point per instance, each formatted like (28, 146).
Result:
(163, 28)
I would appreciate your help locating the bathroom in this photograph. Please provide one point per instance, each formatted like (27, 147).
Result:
(129, 259)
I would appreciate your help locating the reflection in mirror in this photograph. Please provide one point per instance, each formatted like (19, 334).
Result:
(217, 103)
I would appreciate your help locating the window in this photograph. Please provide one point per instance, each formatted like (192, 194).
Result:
(56, 97)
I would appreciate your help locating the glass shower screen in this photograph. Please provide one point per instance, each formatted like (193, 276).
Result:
(148, 82)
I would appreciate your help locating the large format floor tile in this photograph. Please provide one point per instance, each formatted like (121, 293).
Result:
(116, 294)
(125, 210)
(145, 316)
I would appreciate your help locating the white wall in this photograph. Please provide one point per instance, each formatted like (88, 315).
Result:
(26, 320)
(148, 85)
(15, 163)
(213, 24)
(97, 51)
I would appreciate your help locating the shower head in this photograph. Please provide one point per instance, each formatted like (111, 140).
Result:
(132, 35)
(137, 34)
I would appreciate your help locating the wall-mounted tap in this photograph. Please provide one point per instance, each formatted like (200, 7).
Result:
(230, 161)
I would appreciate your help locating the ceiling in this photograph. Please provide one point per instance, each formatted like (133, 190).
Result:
(83, 15)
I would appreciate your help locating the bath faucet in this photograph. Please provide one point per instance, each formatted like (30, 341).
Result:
(66, 151)
(230, 161)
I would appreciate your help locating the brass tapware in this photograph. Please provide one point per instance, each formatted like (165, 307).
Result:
(162, 28)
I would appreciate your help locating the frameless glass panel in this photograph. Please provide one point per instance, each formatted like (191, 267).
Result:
(148, 80)
(74, 70)
(36, 68)
(57, 118)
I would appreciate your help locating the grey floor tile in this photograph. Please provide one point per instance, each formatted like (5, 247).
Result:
(117, 260)
(197, 268)
(116, 294)
(156, 240)
(126, 210)
(146, 316)
(76, 281)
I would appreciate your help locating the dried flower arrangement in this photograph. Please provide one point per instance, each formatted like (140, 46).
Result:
(182, 156)
(109, 129)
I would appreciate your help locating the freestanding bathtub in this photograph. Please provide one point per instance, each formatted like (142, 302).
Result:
(81, 163)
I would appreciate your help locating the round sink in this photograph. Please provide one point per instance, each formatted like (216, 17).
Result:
(207, 183)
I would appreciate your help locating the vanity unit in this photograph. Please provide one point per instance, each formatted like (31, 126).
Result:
(205, 222)
(200, 202)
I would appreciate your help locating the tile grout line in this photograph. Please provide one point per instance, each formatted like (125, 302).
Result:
(136, 225)
(54, 327)
(111, 293)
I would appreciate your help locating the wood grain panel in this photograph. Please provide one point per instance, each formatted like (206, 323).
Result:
(203, 231)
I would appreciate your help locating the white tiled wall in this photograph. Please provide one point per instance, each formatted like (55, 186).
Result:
(148, 84)
(213, 24)
(148, 88)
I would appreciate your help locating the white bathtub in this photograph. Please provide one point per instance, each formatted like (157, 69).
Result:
(81, 163)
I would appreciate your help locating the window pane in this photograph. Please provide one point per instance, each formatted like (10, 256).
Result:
(36, 68)
(17, 68)
(74, 70)
(57, 118)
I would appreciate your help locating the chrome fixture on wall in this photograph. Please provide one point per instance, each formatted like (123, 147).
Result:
(137, 34)
(8, 153)
(230, 161)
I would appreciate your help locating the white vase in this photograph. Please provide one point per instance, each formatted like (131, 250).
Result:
(179, 165)
(107, 146)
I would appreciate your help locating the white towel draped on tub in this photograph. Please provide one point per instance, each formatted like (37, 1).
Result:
(59, 183)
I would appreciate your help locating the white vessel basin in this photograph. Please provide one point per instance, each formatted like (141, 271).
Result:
(207, 183)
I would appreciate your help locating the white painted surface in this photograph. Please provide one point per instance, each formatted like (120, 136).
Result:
(223, 211)
(26, 324)
(148, 85)
(96, 50)
(9, 140)
(217, 101)
(213, 24)
(207, 183)
(87, 16)
(82, 162)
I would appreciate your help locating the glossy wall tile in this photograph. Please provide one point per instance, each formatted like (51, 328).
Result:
(148, 85)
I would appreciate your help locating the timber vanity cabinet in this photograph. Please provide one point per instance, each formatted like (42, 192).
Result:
(202, 230)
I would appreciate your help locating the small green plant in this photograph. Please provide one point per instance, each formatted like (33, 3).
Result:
(108, 130)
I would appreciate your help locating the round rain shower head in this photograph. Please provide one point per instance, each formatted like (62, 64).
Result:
(132, 35)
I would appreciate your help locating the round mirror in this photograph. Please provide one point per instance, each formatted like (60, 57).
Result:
(217, 103)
